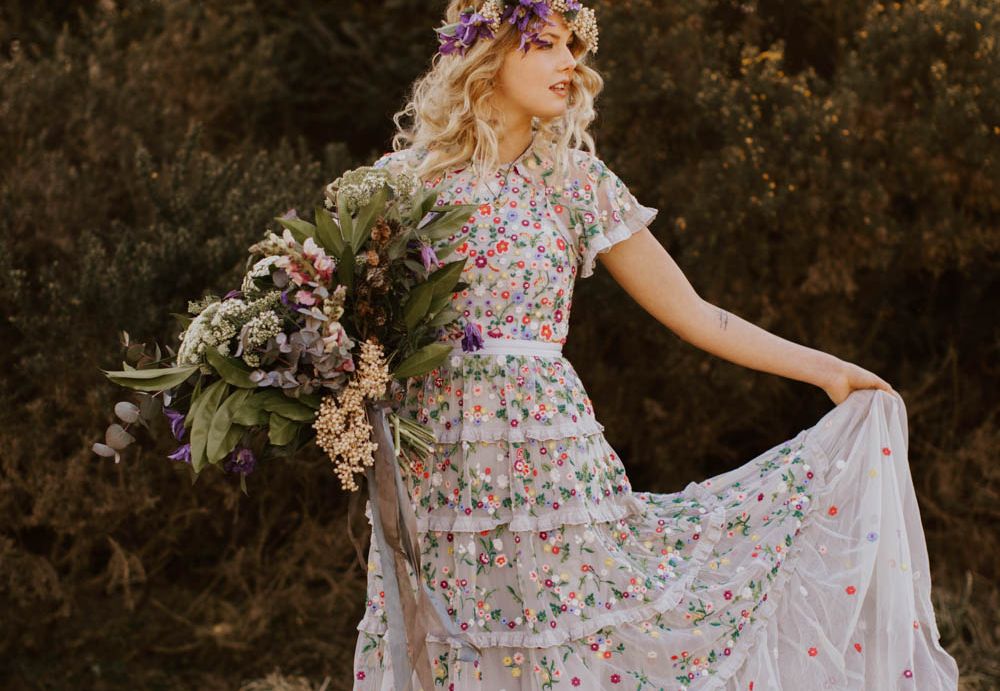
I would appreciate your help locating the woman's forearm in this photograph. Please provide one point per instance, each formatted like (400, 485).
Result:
(644, 268)
(733, 338)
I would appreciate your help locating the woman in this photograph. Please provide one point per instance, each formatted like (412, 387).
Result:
(805, 568)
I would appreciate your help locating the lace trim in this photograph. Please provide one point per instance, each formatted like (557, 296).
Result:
(631, 224)
(504, 432)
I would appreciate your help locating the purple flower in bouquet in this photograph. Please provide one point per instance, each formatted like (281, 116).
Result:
(241, 460)
(473, 338)
(182, 453)
(232, 294)
(428, 257)
(176, 422)
(290, 215)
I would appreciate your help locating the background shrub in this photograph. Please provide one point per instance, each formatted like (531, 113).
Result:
(826, 169)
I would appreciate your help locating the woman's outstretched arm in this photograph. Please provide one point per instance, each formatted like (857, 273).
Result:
(647, 272)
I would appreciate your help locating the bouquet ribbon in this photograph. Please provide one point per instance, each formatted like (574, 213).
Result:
(412, 613)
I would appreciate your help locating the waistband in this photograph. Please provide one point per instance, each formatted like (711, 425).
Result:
(510, 346)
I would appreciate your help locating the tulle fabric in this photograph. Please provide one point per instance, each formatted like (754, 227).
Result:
(810, 572)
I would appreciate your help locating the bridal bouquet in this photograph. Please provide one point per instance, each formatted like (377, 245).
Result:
(331, 316)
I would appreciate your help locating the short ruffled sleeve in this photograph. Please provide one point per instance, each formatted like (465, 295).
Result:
(607, 211)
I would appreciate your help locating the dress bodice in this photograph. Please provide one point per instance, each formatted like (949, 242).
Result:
(530, 237)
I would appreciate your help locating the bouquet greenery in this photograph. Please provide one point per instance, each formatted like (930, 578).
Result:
(331, 316)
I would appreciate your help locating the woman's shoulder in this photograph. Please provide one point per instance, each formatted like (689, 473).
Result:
(407, 158)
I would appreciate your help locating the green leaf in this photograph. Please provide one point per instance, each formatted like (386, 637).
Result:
(450, 221)
(277, 402)
(367, 217)
(202, 411)
(444, 317)
(444, 279)
(417, 304)
(154, 379)
(345, 268)
(250, 413)
(281, 430)
(346, 223)
(231, 369)
(300, 229)
(222, 420)
(328, 233)
(423, 360)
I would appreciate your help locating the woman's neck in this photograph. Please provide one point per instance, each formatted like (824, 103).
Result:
(513, 144)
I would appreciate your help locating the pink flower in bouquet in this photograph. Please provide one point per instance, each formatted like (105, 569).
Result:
(305, 297)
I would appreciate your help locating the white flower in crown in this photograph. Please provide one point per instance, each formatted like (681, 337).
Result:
(530, 16)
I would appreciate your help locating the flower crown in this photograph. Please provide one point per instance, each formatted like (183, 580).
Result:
(530, 16)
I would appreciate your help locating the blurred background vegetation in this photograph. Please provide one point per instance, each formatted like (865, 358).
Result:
(825, 168)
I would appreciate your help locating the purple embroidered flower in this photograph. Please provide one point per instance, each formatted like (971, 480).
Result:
(241, 460)
(182, 453)
(176, 422)
(428, 257)
(473, 338)
(872, 536)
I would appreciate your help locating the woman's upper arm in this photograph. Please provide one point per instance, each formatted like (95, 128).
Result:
(646, 271)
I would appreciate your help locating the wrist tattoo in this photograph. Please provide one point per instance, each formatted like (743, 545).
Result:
(723, 319)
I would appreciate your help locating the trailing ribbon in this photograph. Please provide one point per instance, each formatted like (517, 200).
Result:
(412, 612)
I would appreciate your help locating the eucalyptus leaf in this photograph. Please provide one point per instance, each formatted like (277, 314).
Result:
(149, 407)
(117, 438)
(106, 451)
(281, 430)
(423, 360)
(127, 411)
(230, 369)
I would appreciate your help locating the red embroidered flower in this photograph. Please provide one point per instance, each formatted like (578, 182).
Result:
(615, 678)
(886, 451)
(908, 674)
(851, 590)
(857, 646)
(360, 675)
(728, 594)
(832, 511)
(813, 652)
(575, 681)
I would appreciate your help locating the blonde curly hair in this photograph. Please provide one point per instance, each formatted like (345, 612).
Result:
(452, 116)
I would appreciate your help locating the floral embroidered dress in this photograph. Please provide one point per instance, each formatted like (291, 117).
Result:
(805, 568)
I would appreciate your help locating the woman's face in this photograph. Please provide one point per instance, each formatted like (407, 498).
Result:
(525, 81)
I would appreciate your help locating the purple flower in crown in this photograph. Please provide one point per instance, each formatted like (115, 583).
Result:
(428, 257)
(529, 16)
(473, 338)
(459, 37)
(181, 453)
(176, 422)
(241, 460)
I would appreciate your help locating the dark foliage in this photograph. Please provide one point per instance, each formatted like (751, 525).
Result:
(827, 169)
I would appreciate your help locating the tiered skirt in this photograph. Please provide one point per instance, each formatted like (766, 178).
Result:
(804, 568)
